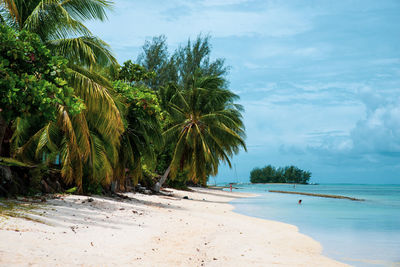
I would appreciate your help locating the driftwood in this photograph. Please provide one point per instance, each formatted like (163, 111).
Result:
(316, 195)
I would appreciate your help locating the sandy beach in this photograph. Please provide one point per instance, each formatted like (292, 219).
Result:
(150, 230)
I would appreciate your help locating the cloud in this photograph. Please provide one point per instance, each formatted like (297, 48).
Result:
(294, 51)
(385, 61)
(379, 131)
(362, 126)
(374, 137)
(273, 123)
(304, 93)
(331, 142)
(181, 19)
(223, 2)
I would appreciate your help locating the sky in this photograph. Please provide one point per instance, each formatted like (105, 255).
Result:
(319, 80)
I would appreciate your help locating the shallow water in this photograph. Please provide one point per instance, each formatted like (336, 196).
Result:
(360, 233)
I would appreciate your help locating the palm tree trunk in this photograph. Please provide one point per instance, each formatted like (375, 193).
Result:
(158, 185)
(3, 127)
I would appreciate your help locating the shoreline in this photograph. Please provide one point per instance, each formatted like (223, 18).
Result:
(151, 230)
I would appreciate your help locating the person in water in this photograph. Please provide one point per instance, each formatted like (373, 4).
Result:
(299, 201)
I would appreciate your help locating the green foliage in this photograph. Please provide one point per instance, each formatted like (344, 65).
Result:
(31, 80)
(86, 143)
(142, 137)
(12, 162)
(35, 178)
(179, 68)
(118, 134)
(143, 101)
(194, 58)
(270, 174)
(59, 25)
(206, 128)
(164, 157)
(72, 190)
(202, 124)
(180, 181)
(148, 177)
(131, 72)
(92, 187)
(156, 59)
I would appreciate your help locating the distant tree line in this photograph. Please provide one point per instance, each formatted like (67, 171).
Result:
(270, 174)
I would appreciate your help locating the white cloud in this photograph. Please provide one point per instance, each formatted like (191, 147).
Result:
(374, 133)
(272, 124)
(379, 132)
(332, 141)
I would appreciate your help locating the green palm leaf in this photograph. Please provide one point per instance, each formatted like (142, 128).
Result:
(89, 51)
(208, 126)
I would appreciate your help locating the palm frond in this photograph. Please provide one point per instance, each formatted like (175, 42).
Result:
(101, 167)
(102, 112)
(27, 152)
(178, 158)
(51, 21)
(12, 9)
(20, 133)
(72, 166)
(82, 133)
(87, 9)
(88, 51)
(208, 124)
(45, 141)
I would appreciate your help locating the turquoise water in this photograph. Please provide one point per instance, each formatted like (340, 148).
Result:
(360, 233)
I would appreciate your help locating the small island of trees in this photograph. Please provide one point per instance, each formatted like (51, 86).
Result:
(270, 174)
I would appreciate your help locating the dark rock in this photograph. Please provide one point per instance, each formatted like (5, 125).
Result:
(185, 197)
(9, 182)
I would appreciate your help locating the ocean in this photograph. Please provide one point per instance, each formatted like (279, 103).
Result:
(360, 233)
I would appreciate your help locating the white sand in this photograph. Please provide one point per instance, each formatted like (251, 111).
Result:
(153, 231)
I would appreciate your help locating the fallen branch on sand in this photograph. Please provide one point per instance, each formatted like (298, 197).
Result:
(316, 195)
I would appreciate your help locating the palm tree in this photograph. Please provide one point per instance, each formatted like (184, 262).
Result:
(206, 126)
(92, 137)
(142, 136)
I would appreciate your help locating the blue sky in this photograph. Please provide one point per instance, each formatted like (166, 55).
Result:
(320, 80)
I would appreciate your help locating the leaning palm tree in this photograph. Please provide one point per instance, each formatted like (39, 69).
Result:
(206, 128)
(92, 137)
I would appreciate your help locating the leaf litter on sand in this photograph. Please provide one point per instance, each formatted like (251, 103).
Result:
(24, 209)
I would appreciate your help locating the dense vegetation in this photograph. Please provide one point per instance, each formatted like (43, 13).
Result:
(74, 118)
(270, 174)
